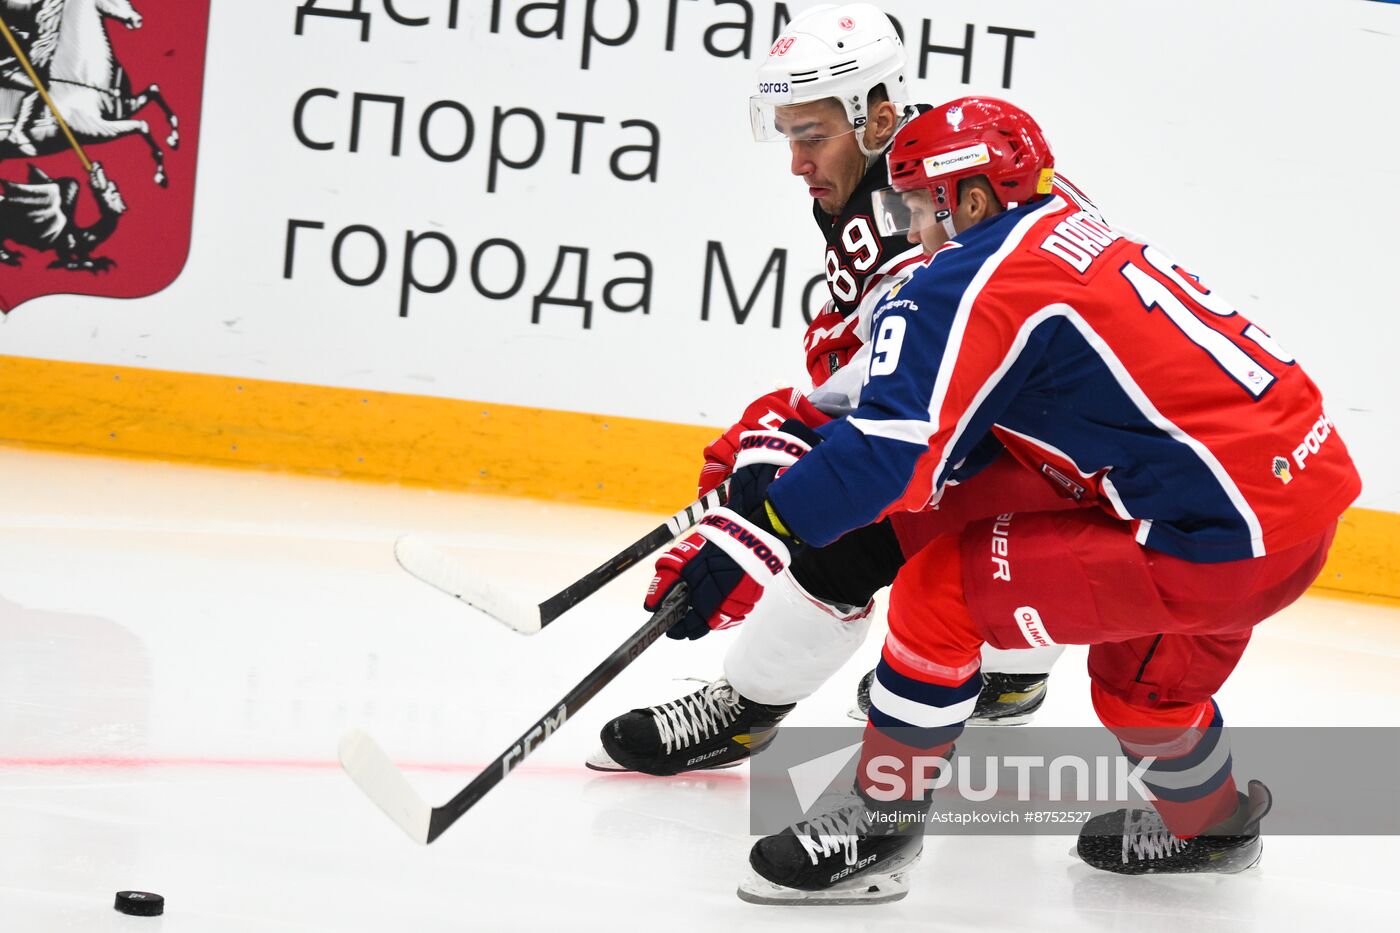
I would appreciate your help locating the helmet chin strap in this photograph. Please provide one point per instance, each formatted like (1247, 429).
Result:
(945, 217)
(872, 155)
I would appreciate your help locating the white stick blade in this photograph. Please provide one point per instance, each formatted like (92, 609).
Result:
(382, 782)
(429, 563)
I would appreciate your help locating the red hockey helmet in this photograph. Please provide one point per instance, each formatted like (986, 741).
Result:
(965, 138)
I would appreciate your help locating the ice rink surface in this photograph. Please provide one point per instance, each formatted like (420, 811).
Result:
(181, 648)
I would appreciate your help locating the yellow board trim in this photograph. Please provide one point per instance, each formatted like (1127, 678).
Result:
(1365, 557)
(602, 460)
(487, 447)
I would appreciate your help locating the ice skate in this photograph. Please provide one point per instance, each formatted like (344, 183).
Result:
(1005, 700)
(1137, 842)
(855, 852)
(714, 727)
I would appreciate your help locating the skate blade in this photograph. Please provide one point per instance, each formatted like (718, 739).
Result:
(879, 889)
(1018, 720)
(1254, 863)
(600, 760)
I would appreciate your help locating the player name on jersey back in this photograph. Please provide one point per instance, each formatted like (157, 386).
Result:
(1079, 240)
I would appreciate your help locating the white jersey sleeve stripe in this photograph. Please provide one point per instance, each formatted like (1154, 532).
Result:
(911, 432)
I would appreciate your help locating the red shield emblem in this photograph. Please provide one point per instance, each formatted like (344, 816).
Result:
(99, 128)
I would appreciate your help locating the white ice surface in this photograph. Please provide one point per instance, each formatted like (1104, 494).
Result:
(181, 649)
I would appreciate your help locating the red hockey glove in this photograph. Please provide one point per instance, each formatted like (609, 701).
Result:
(725, 600)
(830, 343)
(726, 562)
(766, 413)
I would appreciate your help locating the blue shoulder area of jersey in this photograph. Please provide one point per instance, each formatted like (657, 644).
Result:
(868, 459)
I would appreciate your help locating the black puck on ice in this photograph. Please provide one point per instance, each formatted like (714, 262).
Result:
(140, 903)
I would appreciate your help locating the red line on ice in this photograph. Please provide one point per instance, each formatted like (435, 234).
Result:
(113, 762)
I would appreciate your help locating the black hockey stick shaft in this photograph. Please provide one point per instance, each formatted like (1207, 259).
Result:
(571, 595)
(672, 608)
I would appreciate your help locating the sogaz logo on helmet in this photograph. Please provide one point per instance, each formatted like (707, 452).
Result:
(773, 88)
(956, 160)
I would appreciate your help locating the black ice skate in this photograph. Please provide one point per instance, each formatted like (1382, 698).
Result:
(714, 727)
(855, 852)
(1005, 700)
(1008, 699)
(1137, 842)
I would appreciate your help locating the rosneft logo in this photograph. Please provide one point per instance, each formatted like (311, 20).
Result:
(957, 160)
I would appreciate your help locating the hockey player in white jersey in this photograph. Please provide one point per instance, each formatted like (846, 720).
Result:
(835, 88)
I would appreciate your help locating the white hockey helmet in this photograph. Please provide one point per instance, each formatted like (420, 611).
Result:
(834, 51)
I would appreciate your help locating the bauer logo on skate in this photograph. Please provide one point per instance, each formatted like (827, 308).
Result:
(746, 538)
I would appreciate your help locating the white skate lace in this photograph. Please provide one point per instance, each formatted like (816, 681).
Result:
(840, 827)
(1145, 836)
(696, 717)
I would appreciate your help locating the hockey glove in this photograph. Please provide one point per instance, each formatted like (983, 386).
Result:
(763, 414)
(735, 551)
(830, 343)
(720, 595)
(724, 565)
(762, 458)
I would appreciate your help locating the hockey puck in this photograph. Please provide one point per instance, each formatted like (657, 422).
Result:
(140, 903)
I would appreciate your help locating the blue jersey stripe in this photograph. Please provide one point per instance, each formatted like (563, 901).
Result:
(875, 470)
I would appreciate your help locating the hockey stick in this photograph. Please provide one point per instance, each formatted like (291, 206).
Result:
(382, 782)
(430, 564)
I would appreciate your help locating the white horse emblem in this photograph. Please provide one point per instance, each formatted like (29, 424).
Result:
(89, 87)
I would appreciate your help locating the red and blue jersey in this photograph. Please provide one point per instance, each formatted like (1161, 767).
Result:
(1097, 360)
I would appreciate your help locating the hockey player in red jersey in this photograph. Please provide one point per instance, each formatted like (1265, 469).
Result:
(1216, 474)
(834, 87)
